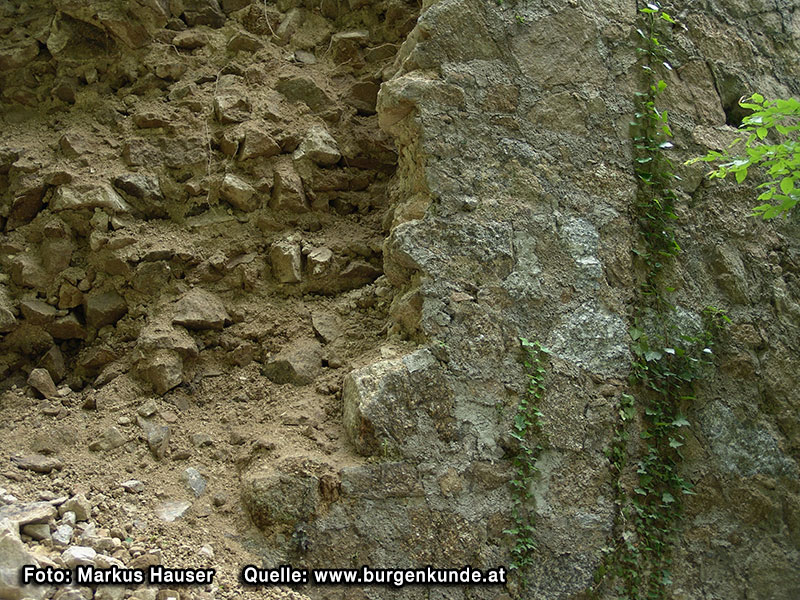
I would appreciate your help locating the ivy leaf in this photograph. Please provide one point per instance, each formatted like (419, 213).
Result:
(680, 421)
(673, 443)
(787, 185)
(652, 355)
(667, 498)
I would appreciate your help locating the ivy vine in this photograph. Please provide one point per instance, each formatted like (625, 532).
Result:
(527, 424)
(667, 361)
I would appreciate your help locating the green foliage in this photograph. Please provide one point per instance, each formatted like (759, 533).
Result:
(527, 423)
(666, 362)
(651, 132)
(777, 119)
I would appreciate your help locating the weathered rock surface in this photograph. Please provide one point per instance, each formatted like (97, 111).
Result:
(239, 193)
(298, 364)
(200, 309)
(319, 146)
(104, 309)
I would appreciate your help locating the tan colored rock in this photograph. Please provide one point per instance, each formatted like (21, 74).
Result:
(304, 89)
(104, 309)
(239, 194)
(73, 197)
(298, 364)
(8, 319)
(200, 309)
(326, 325)
(67, 328)
(231, 107)
(149, 120)
(257, 143)
(286, 259)
(163, 369)
(53, 361)
(156, 336)
(288, 193)
(27, 271)
(319, 146)
(319, 261)
(18, 55)
(346, 46)
(13, 556)
(26, 205)
(40, 380)
(38, 312)
(190, 40)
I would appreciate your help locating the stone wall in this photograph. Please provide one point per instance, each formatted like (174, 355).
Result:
(513, 219)
(217, 198)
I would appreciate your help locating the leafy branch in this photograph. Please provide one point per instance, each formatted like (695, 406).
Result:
(781, 161)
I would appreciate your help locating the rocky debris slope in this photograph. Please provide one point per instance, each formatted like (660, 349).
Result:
(62, 532)
(193, 200)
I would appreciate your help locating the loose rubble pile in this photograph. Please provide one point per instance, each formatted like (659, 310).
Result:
(62, 532)
(193, 200)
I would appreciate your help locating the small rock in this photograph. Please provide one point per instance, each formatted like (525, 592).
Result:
(53, 361)
(79, 505)
(257, 144)
(319, 259)
(206, 551)
(246, 42)
(190, 40)
(287, 191)
(68, 518)
(318, 146)
(111, 438)
(67, 328)
(299, 364)
(219, 499)
(231, 108)
(195, 481)
(62, 535)
(286, 259)
(181, 454)
(204, 12)
(26, 514)
(88, 197)
(109, 592)
(37, 463)
(199, 309)
(38, 531)
(149, 120)
(169, 511)
(132, 486)
(157, 437)
(239, 193)
(304, 89)
(40, 380)
(346, 45)
(326, 325)
(148, 409)
(163, 369)
(104, 309)
(202, 439)
(148, 559)
(358, 273)
(38, 312)
(364, 97)
(13, 556)
(78, 555)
